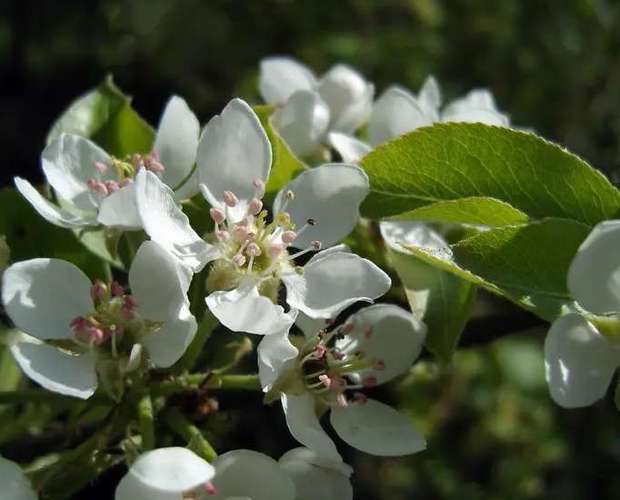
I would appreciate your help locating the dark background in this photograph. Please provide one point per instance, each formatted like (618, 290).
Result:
(552, 65)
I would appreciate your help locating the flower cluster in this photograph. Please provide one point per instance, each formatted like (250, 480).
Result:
(272, 264)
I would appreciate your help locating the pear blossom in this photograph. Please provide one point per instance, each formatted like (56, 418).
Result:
(251, 253)
(15, 484)
(177, 473)
(397, 111)
(309, 108)
(329, 368)
(94, 188)
(581, 349)
(79, 329)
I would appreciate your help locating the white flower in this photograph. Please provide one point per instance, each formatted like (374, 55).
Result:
(329, 368)
(177, 473)
(94, 188)
(93, 325)
(310, 108)
(397, 111)
(249, 255)
(15, 484)
(580, 359)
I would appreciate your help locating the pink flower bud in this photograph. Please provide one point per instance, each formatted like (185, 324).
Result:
(288, 237)
(230, 199)
(217, 215)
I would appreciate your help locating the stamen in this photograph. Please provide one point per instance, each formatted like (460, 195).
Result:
(100, 166)
(230, 199)
(112, 186)
(210, 488)
(253, 250)
(99, 290)
(222, 235)
(239, 260)
(259, 188)
(255, 206)
(289, 236)
(117, 289)
(342, 400)
(217, 215)
(125, 182)
(314, 247)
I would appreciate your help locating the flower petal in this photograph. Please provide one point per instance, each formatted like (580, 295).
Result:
(275, 353)
(280, 77)
(348, 96)
(250, 474)
(15, 484)
(334, 281)
(50, 212)
(232, 153)
(331, 195)
(387, 333)
(43, 296)
(167, 225)
(477, 106)
(130, 488)
(120, 209)
(397, 234)
(395, 113)
(310, 326)
(68, 162)
(579, 362)
(302, 122)
(350, 149)
(245, 310)
(377, 428)
(315, 477)
(171, 470)
(594, 274)
(429, 97)
(176, 143)
(169, 343)
(56, 370)
(304, 425)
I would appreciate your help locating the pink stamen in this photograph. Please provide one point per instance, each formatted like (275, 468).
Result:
(230, 199)
(100, 166)
(222, 235)
(253, 250)
(342, 400)
(288, 237)
(112, 186)
(98, 290)
(325, 380)
(210, 488)
(240, 233)
(117, 289)
(239, 259)
(259, 188)
(255, 206)
(97, 186)
(276, 250)
(125, 182)
(217, 215)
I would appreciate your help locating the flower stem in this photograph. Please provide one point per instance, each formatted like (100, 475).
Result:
(179, 424)
(43, 396)
(146, 420)
(188, 383)
(206, 327)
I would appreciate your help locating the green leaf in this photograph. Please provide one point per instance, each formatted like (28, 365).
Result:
(5, 253)
(461, 160)
(441, 299)
(526, 263)
(474, 210)
(285, 164)
(29, 235)
(105, 115)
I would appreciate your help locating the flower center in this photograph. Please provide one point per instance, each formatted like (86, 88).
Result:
(115, 323)
(253, 247)
(333, 370)
(126, 171)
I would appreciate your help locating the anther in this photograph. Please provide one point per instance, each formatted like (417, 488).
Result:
(290, 195)
(255, 206)
(210, 488)
(325, 380)
(100, 166)
(217, 215)
(239, 260)
(112, 186)
(259, 188)
(117, 289)
(222, 235)
(230, 199)
(98, 291)
(316, 245)
(289, 236)
(253, 250)
(275, 250)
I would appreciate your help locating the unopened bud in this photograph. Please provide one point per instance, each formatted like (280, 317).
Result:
(230, 199)
(218, 215)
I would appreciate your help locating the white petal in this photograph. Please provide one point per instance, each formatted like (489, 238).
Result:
(232, 153)
(177, 143)
(377, 428)
(594, 273)
(331, 195)
(477, 106)
(167, 225)
(50, 212)
(332, 282)
(388, 333)
(68, 162)
(131, 488)
(120, 209)
(348, 96)
(302, 122)
(15, 484)
(304, 425)
(275, 353)
(169, 343)
(280, 77)
(245, 310)
(57, 371)
(43, 296)
(350, 149)
(429, 96)
(395, 113)
(397, 234)
(173, 470)
(310, 326)
(247, 473)
(476, 116)
(579, 362)
(314, 478)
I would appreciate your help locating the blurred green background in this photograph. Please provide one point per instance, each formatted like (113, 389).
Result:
(553, 65)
